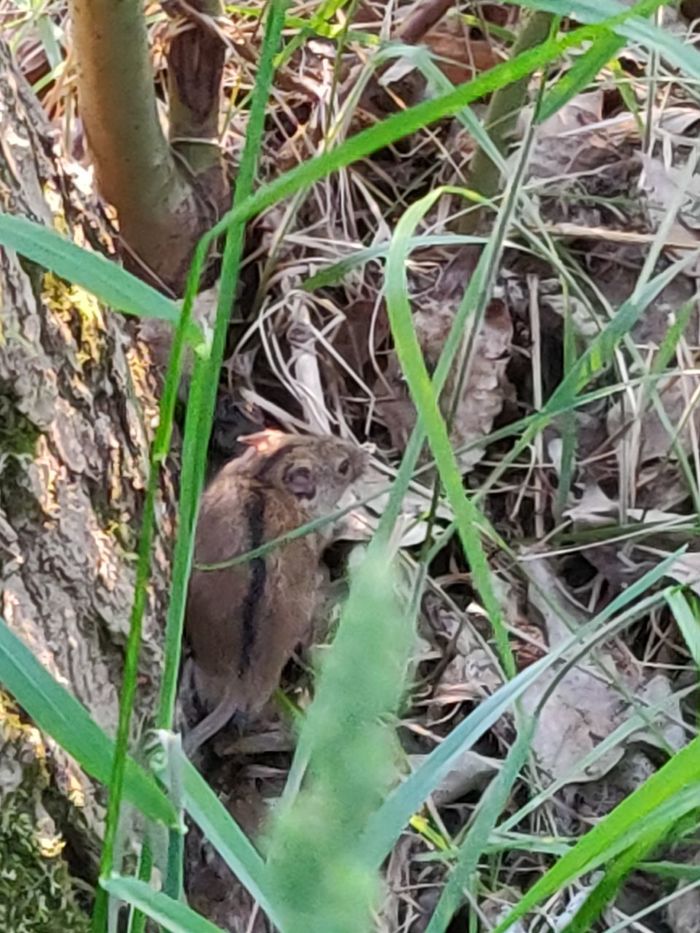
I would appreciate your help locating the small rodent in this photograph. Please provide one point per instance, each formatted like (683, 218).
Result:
(243, 622)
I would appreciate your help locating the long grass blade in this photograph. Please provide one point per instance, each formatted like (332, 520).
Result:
(158, 454)
(203, 391)
(613, 878)
(172, 915)
(469, 519)
(627, 22)
(229, 840)
(207, 367)
(102, 277)
(476, 839)
(678, 774)
(57, 713)
(421, 115)
(387, 824)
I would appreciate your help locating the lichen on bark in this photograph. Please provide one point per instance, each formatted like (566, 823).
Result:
(78, 410)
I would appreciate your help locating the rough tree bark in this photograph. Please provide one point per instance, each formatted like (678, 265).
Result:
(76, 414)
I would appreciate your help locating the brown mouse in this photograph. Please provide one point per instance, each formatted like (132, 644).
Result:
(244, 622)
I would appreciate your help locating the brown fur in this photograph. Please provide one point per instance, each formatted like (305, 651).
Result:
(244, 622)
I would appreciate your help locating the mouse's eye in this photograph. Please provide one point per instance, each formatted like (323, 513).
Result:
(344, 467)
(300, 480)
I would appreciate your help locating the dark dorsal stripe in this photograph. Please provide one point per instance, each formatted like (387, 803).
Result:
(255, 517)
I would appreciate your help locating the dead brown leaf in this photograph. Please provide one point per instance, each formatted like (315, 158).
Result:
(589, 701)
(481, 395)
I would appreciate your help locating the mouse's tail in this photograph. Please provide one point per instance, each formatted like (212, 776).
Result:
(212, 723)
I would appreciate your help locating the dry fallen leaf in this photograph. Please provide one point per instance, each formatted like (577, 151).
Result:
(661, 183)
(683, 912)
(481, 396)
(571, 140)
(459, 57)
(472, 673)
(685, 569)
(588, 702)
(594, 507)
(469, 771)
(679, 397)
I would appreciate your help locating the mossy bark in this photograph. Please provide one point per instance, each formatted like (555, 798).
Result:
(77, 410)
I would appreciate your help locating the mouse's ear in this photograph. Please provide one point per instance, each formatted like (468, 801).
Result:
(300, 481)
(263, 442)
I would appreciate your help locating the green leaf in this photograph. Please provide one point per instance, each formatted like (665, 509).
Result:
(58, 713)
(102, 277)
(170, 914)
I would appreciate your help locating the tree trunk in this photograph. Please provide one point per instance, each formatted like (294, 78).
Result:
(76, 416)
(166, 194)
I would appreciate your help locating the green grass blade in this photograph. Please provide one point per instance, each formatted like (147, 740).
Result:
(422, 58)
(678, 774)
(673, 870)
(137, 920)
(158, 454)
(580, 75)
(471, 306)
(336, 272)
(671, 339)
(229, 840)
(608, 886)
(472, 303)
(593, 361)
(589, 365)
(471, 309)
(102, 277)
(617, 738)
(685, 613)
(387, 824)
(490, 807)
(183, 550)
(204, 387)
(469, 519)
(567, 426)
(57, 713)
(207, 368)
(172, 915)
(627, 22)
(400, 125)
